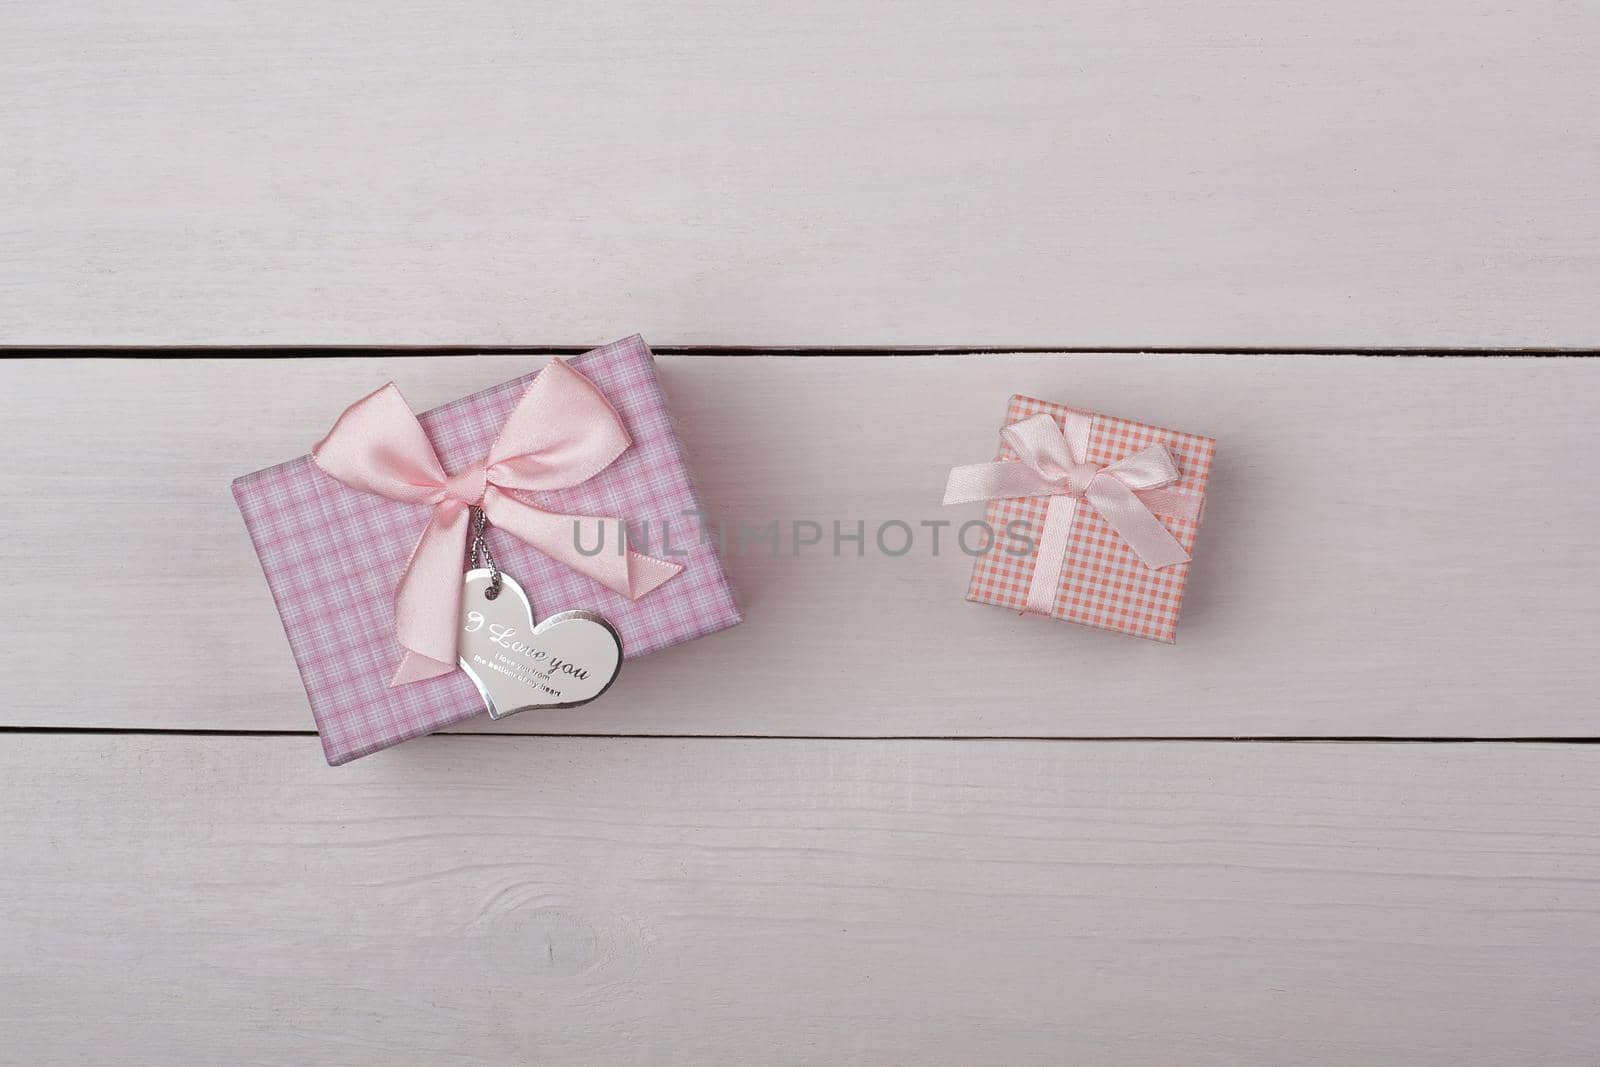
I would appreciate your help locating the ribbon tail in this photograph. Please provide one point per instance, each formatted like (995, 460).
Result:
(427, 605)
(1151, 542)
(1052, 556)
(416, 667)
(633, 574)
(1172, 503)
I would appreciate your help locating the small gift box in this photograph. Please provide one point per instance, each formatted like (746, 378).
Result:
(364, 548)
(1093, 517)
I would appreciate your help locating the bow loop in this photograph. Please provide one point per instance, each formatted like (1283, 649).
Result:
(1150, 468)
(536, 452)
(379, 447)
(1040, 444)
(561, 433)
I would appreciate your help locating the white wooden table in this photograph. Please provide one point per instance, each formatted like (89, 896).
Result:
(1348, 818)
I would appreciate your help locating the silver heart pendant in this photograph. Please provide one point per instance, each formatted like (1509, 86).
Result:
(568, 659)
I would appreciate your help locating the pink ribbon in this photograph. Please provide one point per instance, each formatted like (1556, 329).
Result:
(1053, 462)
(562, 432)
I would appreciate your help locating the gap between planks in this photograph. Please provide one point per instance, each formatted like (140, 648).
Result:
(800, 351)
(1308, 739)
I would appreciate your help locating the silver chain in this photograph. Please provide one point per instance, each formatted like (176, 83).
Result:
(480, 551)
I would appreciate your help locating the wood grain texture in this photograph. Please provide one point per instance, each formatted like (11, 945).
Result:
(1393, 547)
(499, 899)
(1256, 173)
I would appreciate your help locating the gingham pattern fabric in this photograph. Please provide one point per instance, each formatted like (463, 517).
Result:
(1103, 583)
(333, 556)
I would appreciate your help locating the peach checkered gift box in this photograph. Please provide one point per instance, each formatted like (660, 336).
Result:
(1095, 517)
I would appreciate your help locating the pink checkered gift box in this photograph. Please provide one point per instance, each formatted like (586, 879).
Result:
(1103, 582)
(333, 556)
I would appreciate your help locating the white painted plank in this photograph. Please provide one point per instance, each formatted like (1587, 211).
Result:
(1269, 173)
(1395, 547)
(206, 900)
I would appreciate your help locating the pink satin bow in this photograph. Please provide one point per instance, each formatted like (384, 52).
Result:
(562, 432)
(1054, 463)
